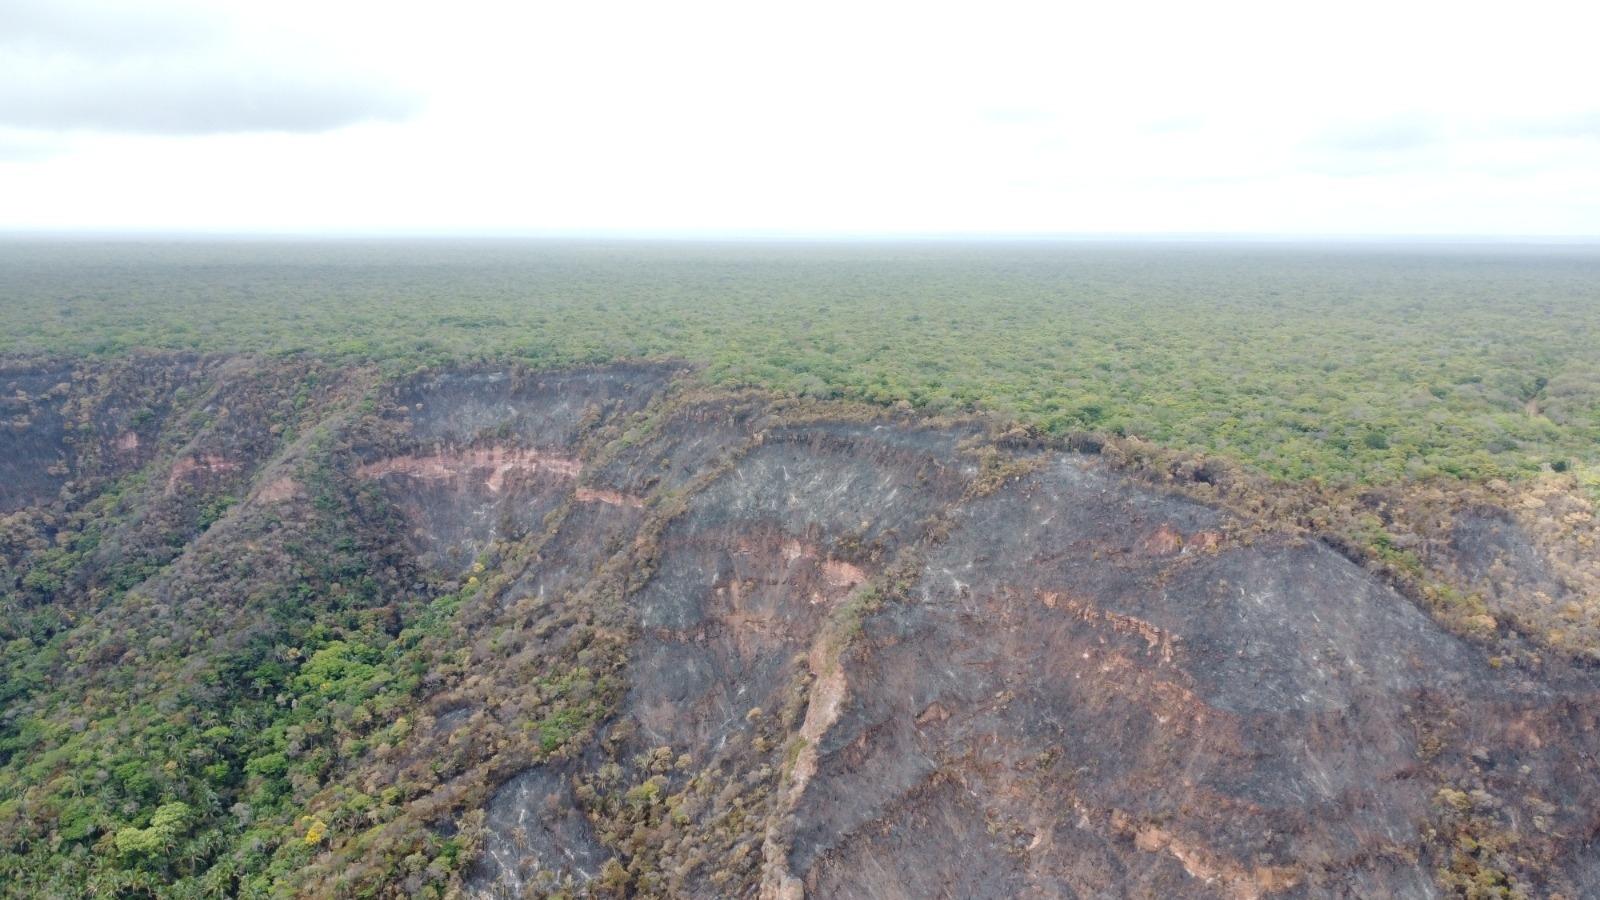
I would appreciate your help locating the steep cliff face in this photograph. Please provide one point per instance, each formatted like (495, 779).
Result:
(62, 421)
(1063, 684)
(492, 456)
(1118, 694)
(711, 644)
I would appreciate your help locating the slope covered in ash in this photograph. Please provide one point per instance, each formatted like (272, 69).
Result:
(605, 631)
(860, 670)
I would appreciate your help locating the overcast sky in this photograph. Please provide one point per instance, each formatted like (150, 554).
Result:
(808, 118)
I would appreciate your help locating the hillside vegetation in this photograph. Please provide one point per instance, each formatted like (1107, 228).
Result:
(272, 628)
(1340, 362)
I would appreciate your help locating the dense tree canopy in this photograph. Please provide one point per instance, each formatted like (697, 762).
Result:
(1338, 362)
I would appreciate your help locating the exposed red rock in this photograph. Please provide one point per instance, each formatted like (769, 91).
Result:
(610, 498)
(490, 464)
(1164, 541)
(199, 465)
(278, 490)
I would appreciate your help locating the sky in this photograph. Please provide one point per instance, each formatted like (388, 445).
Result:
(816, 118)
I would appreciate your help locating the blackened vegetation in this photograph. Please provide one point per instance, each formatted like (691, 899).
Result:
(274, 628)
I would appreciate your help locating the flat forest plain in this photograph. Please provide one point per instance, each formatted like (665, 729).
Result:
(1348, 362)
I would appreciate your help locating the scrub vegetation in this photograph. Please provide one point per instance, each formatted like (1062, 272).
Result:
(1344, 363)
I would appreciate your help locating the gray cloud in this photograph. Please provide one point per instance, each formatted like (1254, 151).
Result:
(1583, 125)
(85, 27)
(171, 70)
(1375, 148)
(19, 146)
(195, 100)
(1384, 136)
(1417, 143)
(1414, 133)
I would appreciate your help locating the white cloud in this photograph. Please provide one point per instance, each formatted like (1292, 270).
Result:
(69, 65)
(858, 117)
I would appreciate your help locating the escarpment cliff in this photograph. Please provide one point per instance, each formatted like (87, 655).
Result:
(605, 631)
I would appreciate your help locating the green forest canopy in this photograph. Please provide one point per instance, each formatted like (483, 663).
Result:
(1340, 361)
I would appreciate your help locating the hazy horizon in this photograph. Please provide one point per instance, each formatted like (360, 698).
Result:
(132, 235)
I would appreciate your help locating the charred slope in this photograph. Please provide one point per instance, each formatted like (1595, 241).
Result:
(633, 637)
(862, 665)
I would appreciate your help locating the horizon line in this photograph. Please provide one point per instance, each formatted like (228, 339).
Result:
(778, 235)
